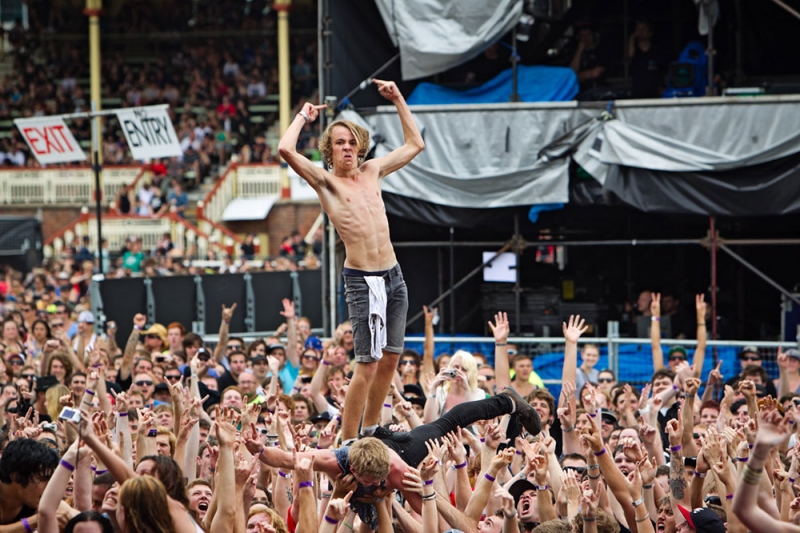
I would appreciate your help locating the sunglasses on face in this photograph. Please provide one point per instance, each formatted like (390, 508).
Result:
(28, 376)
(143, 383)
(57, 325)
(605, 380)
(16, 362)
(347, 331)
(489, 378)
(26, 309)
(751, 359)
(408, 362)
(676, 358)
(232, 347)
(311, 357)
(173, 378)
(579, 469)
(152, 336)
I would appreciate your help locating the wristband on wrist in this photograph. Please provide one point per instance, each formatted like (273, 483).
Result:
(501, 344)
(330, 520)
(462, 465)
(675, 448)
(642, 519)
(675, 387)
(483, 440)
(542, 487)
(123, 414)
(570, 430)
(152, 433)
(284, 475)
(429, 497)
(638, 502)
(595, 466)
(326, 363)
(729, 496)
(89, 392)
(490, 478)
(593, 477)
(698, 474)
(66, 465)
(749, 446)
(648, 486)
(387, 405)
(655, 319)
(305, 116)
(305, 485)
(429, 482)
(26, 525)
(589, 518)
(140, 328)
(601, 452)
(742, 459)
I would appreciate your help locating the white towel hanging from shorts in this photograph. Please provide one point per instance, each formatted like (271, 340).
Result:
(377, 315)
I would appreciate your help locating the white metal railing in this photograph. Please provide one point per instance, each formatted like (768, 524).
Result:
(258, 180)
(61, 185)
(118, 230)
(225, 192)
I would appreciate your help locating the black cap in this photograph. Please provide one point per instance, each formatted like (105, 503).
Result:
(416, 400)
(608, 414)
(412, 389)
(45, 382)
(258, 357)
(276, 346)
(203, 352)
(520, 487)
(161, 387)
(322, 417)
(703, 520)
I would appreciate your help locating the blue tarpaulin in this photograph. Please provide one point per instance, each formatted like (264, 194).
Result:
(535, 84)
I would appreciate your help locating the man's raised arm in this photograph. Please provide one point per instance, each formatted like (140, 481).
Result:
(399, 157)
(287, 147)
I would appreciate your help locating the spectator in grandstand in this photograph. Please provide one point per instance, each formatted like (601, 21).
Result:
(589, 59)
(133, 256)
(248, 248)
(646, 62)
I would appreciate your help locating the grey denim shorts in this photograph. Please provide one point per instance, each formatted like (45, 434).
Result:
(356, 292)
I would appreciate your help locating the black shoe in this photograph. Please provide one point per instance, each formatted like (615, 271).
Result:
(382, 433)
(526, 414)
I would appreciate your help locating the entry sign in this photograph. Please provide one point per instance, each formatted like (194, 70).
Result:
(50, 140)
(149, 132)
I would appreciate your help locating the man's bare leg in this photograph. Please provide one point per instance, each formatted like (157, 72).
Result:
(363, 377)
(379, 388)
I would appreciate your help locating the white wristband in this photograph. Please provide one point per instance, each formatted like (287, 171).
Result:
(305, 116)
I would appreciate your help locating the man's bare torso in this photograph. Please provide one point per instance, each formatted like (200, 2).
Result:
(356, 209)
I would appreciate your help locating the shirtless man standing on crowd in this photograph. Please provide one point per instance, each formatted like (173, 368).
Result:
(351, 196)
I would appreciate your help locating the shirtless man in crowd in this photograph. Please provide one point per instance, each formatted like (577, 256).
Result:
(351, 196)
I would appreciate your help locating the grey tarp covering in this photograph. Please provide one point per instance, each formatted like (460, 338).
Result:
(710, 156)
(695, 134)
(436, 35)
(479, 158)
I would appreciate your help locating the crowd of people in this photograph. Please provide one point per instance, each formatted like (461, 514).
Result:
(164, 432)
(210, 84)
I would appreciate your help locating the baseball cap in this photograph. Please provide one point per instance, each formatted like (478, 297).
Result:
(276, 346)
(520, 487)
(677, 350)
(749, 350)
(703, 520)
(411, 388)
(161, 387)
(321, 417)
(258, 358)
(793, 353)
(203, 353)
(609, 415)
(86, 316)
(314, 342)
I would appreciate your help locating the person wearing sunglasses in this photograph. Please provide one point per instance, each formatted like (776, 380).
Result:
(606, 381)
(408, 367)
(749, 356)
(144, 383)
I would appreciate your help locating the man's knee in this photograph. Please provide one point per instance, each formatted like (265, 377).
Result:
(365, 370)
(390, 358)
